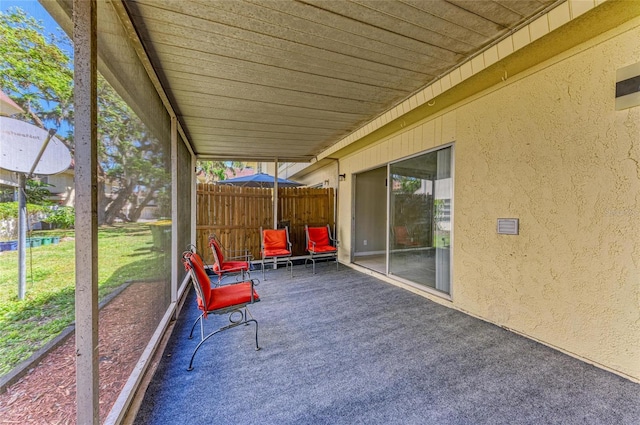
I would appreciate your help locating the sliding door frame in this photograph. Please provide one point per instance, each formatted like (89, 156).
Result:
(421, 287)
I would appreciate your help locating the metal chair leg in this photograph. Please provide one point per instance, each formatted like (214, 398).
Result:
(244, 321)
(194, 326)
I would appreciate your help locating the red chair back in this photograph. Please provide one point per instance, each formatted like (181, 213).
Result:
(274, 239)
(401, 233)
(319, 235)
(197, 259)
(217, 252)
(194, 265)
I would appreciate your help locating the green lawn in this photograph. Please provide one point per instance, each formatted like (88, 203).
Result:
(124, 253)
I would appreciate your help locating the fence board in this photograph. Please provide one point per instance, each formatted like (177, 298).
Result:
(235, 215)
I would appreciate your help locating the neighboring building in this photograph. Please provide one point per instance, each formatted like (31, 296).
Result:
(62, 189)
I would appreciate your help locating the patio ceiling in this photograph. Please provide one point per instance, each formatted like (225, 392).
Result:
(264, 79)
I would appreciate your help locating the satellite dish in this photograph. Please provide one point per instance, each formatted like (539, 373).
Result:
(20, 146)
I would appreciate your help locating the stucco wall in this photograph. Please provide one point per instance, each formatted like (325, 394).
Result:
(546, 147)
(551, 150)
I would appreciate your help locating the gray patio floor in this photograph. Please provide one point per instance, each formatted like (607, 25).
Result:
(342, 347)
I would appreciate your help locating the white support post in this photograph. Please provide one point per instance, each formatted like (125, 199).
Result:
(86, 220)
(22, 236)
(174, 209)
(275, 195)
(194, 199)
(275, 204)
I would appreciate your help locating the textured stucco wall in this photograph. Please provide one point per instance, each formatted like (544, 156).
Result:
(546, 147)
(551, 150)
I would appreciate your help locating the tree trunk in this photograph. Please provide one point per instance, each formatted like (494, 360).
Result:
(117, 204)
(137, 211)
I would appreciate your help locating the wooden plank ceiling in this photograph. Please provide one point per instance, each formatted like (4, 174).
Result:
(260, 79)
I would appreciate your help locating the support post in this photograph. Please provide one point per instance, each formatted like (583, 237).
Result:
(22, 236)
(174, 209)
(86, 219)
(275, 204)
(275, 195)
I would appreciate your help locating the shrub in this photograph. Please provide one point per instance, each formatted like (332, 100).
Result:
(62, 217)
(9, 210)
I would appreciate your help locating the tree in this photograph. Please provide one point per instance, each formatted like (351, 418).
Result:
(408, 184)
(38, 74)
(132, 159)
(37, 192)
(216, 170)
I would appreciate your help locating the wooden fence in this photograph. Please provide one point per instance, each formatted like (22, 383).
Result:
(235, 214)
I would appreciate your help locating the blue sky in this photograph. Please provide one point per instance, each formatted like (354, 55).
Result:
(33, 8)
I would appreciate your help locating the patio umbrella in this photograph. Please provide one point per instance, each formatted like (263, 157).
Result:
(258, 180)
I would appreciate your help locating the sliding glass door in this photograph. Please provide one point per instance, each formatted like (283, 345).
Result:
(370, 219)
(402, 219)
(420, 219)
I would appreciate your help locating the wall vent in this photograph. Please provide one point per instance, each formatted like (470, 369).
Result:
(508, 226)
(628, 87)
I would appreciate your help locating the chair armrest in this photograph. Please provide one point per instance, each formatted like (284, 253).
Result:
(254, 283)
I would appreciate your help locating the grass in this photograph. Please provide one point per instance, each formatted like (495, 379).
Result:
(124, 254)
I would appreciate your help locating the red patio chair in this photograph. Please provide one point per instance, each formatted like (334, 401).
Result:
(223, 267)
(207, 268)
(403, 239)
(275, 245)
(320, 245)
(229, 299)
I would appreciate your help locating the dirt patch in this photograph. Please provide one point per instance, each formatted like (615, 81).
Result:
(47, 394)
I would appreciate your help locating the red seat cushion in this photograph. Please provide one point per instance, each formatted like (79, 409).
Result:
(231, 266)
(230, 295)
(276, 252)
(323, 249)
(217, 298)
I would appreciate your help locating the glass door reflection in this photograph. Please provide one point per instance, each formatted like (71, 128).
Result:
(420, 219)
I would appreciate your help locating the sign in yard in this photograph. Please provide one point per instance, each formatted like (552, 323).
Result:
(20, 145)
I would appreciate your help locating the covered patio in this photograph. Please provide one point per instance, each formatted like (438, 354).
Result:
(342, 347)
(514, 101)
